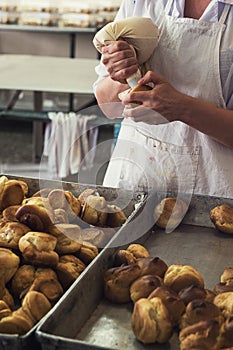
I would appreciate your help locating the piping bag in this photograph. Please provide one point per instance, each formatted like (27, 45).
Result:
(140, 33)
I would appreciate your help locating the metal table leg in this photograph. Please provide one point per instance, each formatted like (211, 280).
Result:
(37, 132)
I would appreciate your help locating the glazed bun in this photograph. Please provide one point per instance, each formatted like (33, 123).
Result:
(143, 286)
(179, 276)
(191, 293)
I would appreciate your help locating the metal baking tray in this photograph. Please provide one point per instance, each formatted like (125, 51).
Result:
(128, 201)
(85, 320)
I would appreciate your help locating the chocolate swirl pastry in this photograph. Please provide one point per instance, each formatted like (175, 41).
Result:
(143, 286)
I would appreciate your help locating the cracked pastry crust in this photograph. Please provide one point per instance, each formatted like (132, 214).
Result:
(151, 322)
(222, 218)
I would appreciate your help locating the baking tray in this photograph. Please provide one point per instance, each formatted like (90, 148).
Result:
(85, 320)
(128, 201)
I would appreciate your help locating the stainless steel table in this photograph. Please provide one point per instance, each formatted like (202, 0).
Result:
(45, 74)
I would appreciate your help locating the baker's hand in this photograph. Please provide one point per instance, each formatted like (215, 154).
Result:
(120, 60)
(163, 99)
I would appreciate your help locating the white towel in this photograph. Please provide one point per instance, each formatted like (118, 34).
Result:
(69, 143)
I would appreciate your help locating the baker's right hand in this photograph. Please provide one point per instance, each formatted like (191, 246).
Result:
(120, 60)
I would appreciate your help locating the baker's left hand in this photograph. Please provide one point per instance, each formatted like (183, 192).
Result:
(163, 99)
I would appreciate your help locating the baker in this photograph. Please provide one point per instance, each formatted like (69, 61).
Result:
(180, 134)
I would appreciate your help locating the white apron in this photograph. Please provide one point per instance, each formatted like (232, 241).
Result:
(174, 156)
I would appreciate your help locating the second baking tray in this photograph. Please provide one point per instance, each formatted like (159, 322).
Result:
(86, 320)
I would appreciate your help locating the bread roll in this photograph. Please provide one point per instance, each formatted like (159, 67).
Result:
(8, 213)
(171, 300)
(115, 217)
(22, 280)
(37, 217)
(87, 252)
(38, 248)
(202, 335)
(151, 322)
(227, 275)
(11, 233)
(68, 269)
(124, 257)
(179, 276)
(191, 293)
(117, 282)
(143, 286)
(94, 211)
(152, 266)
(222, 218)
(11, 193)
(46, 282)
(170, 210)
(9, 263)
(224, 301)
(200, 310)
(138, 250)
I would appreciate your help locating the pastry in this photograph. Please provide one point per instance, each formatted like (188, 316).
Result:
(200, 336)
(46, 282)
(124, 257)
(227, 275)
(171, 300)
(191, 293)
(11, 233)
(35, 305)
(223, 287)
(39, 217)
(8, 213)
(151, 322)
(60, 199)
(116, 217)
(138, 251)
(179, 276)
(15, 324)
(11, 193)
(222, 218)
(226, 333)
(152, 266)
(60, 216)
(200, 310)
(143, 286)
(86, 193)
(38, 248)
(68, 269)
(4, 309)
(224, 301)
(8, 298)
(94, 211)
(69, 238)
(117, 282)
(22, 280)
(169, 210)
(9, 263)
(87, 252)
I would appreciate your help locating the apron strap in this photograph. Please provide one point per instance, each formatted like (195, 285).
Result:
(224, 14)
(168, 6)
